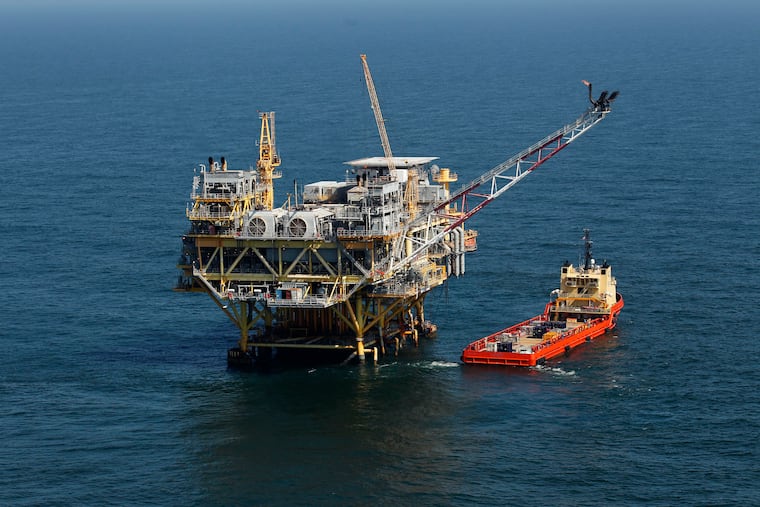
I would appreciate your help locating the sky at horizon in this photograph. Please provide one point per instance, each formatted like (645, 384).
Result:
(23, 18)
(593, 10)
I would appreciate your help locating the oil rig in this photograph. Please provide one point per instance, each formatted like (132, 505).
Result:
(346, 267)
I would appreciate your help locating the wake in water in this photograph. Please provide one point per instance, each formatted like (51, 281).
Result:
(443, 364)
(434, 365)
(427, 365)
(555, 370)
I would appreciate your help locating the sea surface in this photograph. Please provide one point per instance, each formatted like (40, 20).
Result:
(114, 390)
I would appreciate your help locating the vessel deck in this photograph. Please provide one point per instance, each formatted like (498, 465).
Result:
(522, 345)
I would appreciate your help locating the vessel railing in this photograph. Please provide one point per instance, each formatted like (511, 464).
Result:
(582, 282)
(564, 335)
(479, 344)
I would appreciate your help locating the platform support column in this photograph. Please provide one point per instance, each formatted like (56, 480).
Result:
(381, 329)
(360, 329)
(244, 320)
(421, 310)
(357, 323)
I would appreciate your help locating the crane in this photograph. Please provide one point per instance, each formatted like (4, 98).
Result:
(378, 116)
(268, 161)
(411, 194)
(496, 181)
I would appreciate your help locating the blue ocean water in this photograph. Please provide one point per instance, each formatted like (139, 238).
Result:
(114, 390)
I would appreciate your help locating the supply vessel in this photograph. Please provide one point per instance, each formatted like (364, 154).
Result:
(343, 267)
(585, 306)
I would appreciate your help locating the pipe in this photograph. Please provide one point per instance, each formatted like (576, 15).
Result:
(456, 268)
(462, 250)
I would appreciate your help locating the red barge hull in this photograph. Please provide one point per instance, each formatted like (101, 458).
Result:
(486, 350)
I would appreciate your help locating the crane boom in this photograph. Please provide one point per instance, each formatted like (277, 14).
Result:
(411, 194)
(532, 157)
(501, 178)
(378, 116)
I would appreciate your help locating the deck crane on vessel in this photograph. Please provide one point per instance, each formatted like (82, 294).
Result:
(346, 270)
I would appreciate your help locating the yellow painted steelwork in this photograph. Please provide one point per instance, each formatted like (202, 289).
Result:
(268, 161)
(342, 317)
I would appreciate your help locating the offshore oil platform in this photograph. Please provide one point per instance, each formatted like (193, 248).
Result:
(346, 267)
